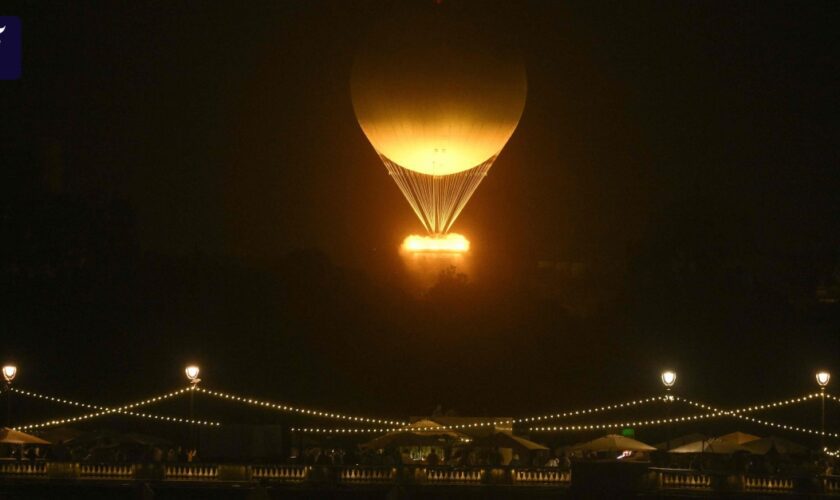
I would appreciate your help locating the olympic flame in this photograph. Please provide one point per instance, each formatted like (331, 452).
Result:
(441, 243)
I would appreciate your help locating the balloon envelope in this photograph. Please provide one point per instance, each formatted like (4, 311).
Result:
(436, 97)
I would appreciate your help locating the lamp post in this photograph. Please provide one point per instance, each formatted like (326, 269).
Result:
(669, 377)
(192, 375)
(9, 374)
(822, 380)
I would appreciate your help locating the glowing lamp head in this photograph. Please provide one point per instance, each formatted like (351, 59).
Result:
(9, 372)
(192, 374)
(823, 378)
(669, 378)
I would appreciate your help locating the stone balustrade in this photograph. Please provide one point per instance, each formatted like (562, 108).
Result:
(191, 472)
(116, 471)
(444, 475)
(23, 469)
(540, 476)
(757, 483)
(684, 479)
(660, 479)
(367, 474)
(831, 485)
(292, 473)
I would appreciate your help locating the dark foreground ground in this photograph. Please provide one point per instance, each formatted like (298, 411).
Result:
(250, 492)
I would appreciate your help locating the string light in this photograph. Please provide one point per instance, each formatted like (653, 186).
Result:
(587, 411)
(489, 423)
(302, 411)
(97, 407)
(752, 408)
(324, 430)
(576, 427)
(316, 430)
(89, 416)
(402, 426)
(619, 425)
(712, 412)
(738, 413)
(788, 427)
(103, 411)
(757, 407)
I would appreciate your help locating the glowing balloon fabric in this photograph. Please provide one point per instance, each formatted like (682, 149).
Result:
(438, 104)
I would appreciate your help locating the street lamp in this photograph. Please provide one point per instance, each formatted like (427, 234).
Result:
(9, 373)
(192, 375)
(669, 377)
(822, 380)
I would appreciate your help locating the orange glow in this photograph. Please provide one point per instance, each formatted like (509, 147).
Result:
(442, 243)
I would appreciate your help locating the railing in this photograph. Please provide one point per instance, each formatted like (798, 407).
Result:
(191, 472)
(764, 483)
(367, 474)
(291, 473)
(831, 484)
(444, 475)
(683, 479)
(22, 468)
(106, 471)
(540, 476)
(662, 479)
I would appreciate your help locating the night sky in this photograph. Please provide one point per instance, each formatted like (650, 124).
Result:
(187, 182)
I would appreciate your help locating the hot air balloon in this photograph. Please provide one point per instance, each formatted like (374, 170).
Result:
(438, 100)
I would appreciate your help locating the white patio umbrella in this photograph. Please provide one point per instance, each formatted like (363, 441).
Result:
(782, 446)
(11, 436)
(613, 442)
(714, 445)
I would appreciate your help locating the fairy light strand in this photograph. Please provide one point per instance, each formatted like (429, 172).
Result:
(739, 413)
(572, 413)
(539, 428)
(488, 423)
(97, 407)
(402, 426)
(755, 407)
(519, 420)
(712, 412)
(104, 411)
(301, 411)
(575, 427)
